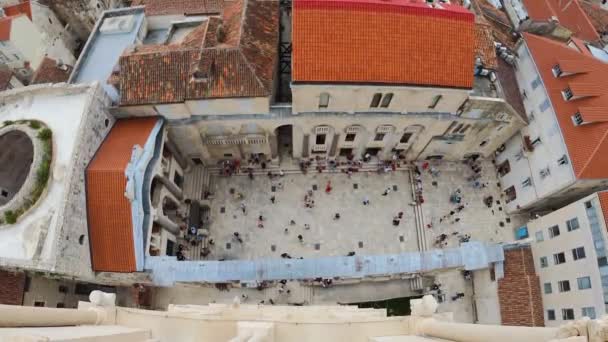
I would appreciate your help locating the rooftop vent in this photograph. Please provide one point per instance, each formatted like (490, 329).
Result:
(115, 25)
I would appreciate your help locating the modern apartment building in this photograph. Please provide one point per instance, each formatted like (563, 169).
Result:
(570, 257)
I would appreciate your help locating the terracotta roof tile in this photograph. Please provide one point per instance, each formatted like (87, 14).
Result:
(484, 45)
(24, 7)
(109, 211)
(587, 144)
(159, 77)
(240, 65)
(569, 13)
(603, 197)
(185, 7)
(510, 88)
(5, 28)
(597, 15)
(50, 72)
(369, 41)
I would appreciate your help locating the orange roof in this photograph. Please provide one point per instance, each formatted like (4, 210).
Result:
(5, 29)
(570, 14)
(22, 8)
(375, 41)
(587, 144)
(109, 211)
(603, 197)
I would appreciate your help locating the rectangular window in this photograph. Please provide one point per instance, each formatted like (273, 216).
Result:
(551, 315)
(589, 312)
(548, 288)
(320, 139)
(567, 314)
(350, 137)
(559, 258)
(572, 224)
(564, 285)
(577, 119)
(435, 101)
(376, 100)
(578, 253)
(544, 105)
(584, 283)
(178, 180)
(557, 70)
(563, 160)
(324, 100)
(540, 236)
(544, 173)
(40, 304)
(405, 138)
(379, 137)
(567, 93)
(553, 231)
(536, 141)
(544, 262)
(511, 194)
(504, 168)
(386, 100)
(536, 82)
(60, 305)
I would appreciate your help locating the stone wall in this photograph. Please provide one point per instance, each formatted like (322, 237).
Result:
(73, 255)
(12, 285)
(519, 292)
(81, 15)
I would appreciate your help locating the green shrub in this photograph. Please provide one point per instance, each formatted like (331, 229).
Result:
(45, 134)
(10, 217)
(35, 124)
(8, 122)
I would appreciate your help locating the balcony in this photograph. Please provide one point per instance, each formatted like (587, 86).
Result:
(239, 139)
(319, 148)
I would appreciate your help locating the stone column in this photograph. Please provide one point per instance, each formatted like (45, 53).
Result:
(183, 162)
(272, 141)
(166, 223)
(29, 316)
(333, 149)
(177, 192)
(460, 332)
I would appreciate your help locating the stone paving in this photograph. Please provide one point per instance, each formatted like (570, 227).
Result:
(476, 219)
(360, 229)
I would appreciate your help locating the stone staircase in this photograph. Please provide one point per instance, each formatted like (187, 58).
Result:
(196, 182)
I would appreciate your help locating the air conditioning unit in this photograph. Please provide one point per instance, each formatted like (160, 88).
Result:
(115, 25)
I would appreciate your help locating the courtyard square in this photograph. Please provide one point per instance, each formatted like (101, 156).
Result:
(363, 229)
(476, 219)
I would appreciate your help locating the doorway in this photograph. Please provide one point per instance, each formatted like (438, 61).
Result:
(284, 141)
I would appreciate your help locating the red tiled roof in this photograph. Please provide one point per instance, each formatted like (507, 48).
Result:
(484, 45)
(185, 7)
(597, 15)
(569, 13)
(50, 72)
(5, 28)
(603, 197)
(24, 7)
(241, 64)
(109, 211)
(375, 41)
(587, 144)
